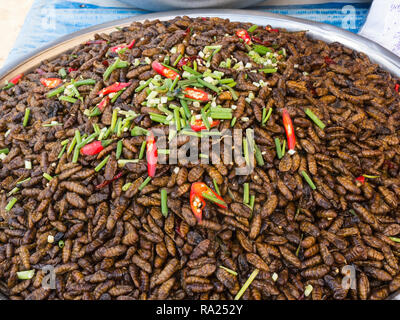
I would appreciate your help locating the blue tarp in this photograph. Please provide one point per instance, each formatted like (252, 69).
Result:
(48, 20)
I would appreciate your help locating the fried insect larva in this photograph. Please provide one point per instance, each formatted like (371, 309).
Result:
(256, 261)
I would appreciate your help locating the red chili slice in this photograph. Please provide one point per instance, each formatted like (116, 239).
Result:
(196, 94)
(197, 204)
(360, 180)
(72, 69)
(151, 155)
(186, 60)
(114, 88)
(118, 48)
(198, 124)
(95, 147)
(16, 79)
(287, 123)
(397, 87)
(50, 82)
(269, 29)
(164, 71)
(244, 35)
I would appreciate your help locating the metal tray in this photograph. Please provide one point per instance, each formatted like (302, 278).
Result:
(162, 5)
(321, 31)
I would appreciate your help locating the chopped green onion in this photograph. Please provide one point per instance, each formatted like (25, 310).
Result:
(169, 67)
(278, 148)
(246, 193)
(5, 151)
(138, 131)
(62, 151)
(209, 85)
(252, 201)
(314, 118)
(71, 146)
(221, 115)
(265, 119)
(177, 60)
(25, 180)
(11, 204)
(190, 70)
(86, 82)
(252, 28)
(119, 149)
(114, 119)
(216, 187)
(164, 200)
(185, 108)
(172, 87)
(62, 73)
(144, 183)
(177, 119)
(61, 244)
(268, 70)
(13, 191)
(258, 155)
(68, 99)
(102, 163)
(126, 186)
(122, 162)
(233, 93)
(142, 149)
(25, 275)
(233, 122)
(116, 96)
(213, 199)
(308, 179)
(52, 124)
(26, 117)
(47, 176)
(144, 85)
(247, 284)
(229, 270)
(370, 177)
(246, 152)
(395, 239)
(204, 117)
(55, 92)
(203, 156)
(283, 148)
(158, 118)
(261, 49)
(118, 64)
(299, 246)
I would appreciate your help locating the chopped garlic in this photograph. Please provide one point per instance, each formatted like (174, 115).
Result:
(50, 238)
(274, 276)
(28, 164)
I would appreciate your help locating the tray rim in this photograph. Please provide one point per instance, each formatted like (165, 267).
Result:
(377, 53)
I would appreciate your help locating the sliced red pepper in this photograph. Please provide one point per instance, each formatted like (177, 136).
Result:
(287, 123)
(244, 35)
(13, 82)
(397, 87)
(198, 192)
(107, 182)
(198, 124)
(100, 107)
(151, 155)
(360, 180)
(328, 60)
(118, 48)
(114, 88)
(71, 69)
(95, 147)
(164, 71)
(259, 41)
(196, 94)
(16, 79)
(269, 29)
(50, 82)
(197, 204)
